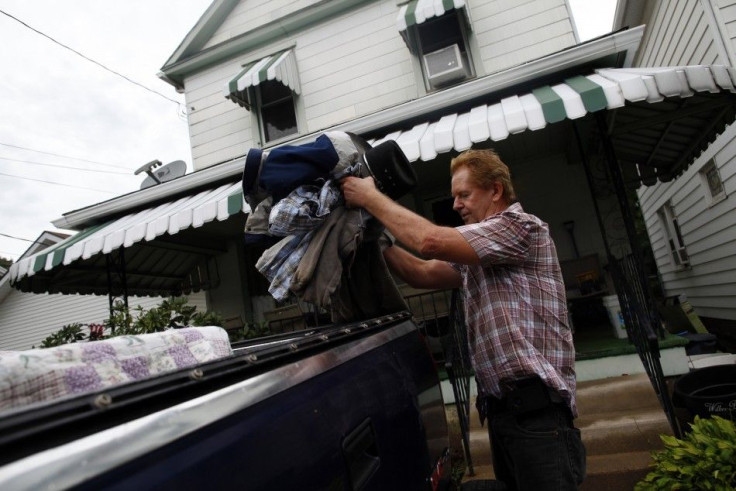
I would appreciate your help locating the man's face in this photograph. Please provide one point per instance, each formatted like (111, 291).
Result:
(472, 202)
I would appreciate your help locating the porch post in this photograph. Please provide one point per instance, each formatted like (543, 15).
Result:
(628, 215)
(642, 331)
(120, 270)
(591, 184)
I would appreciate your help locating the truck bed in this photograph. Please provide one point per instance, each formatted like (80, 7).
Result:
(354, 406)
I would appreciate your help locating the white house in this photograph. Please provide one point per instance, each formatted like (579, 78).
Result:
(691, 220)
(437, 76)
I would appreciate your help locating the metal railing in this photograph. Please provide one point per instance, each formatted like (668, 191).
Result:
(643, 328)
(459, 371)
(440, 316)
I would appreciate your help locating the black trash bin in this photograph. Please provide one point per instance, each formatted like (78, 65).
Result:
(708, 391)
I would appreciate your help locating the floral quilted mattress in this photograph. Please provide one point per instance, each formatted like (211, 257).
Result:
(38, 375)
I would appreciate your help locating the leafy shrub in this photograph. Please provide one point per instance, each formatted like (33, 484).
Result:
(704, 459)
(249, 331)
(70, 333)
(170, 313)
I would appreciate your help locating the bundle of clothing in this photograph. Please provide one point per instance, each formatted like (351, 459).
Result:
(323, 252)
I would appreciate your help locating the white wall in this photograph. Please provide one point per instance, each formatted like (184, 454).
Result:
(355, 65)
(709, 233)
(690, 33)
(249, 14)
(681, 33)
(511, 32)
(725, 14)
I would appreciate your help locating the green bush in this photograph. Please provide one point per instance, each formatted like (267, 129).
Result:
(171, 313)
(70, 333)
(704, 459)
(249, 331)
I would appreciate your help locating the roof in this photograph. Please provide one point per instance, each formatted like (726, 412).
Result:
(142, 244)
(660, 118)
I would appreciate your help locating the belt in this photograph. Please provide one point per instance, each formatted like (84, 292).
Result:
(521, 396)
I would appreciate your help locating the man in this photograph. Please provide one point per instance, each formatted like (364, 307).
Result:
(515, 308)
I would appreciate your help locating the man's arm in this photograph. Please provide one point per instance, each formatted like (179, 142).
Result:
(414, 231)
(421, 273)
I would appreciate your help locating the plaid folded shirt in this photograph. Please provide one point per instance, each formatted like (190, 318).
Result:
(278, 263)
(296, 217)
(304, 209)
(515, 304)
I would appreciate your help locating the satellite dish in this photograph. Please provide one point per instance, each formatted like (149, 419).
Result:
(170, 171)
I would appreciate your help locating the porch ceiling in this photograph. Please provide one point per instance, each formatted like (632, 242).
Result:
(659, 119)
(142, 244)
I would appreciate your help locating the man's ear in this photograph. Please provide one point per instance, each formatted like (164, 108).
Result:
(496, 191)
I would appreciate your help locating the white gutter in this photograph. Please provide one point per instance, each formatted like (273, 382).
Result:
(615, 43)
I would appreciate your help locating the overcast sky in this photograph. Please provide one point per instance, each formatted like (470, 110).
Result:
(60, 110)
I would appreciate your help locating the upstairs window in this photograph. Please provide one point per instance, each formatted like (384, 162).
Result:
(673, 235)
(437, 33)
(277, 113)
(269, 88)
(711, 180)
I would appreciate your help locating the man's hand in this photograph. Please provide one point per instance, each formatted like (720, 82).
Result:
(357, 191)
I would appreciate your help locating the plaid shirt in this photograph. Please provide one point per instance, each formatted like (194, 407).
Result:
(515, 305)
(296, 217)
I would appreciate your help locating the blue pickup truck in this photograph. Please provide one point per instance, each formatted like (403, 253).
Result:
(341, 407)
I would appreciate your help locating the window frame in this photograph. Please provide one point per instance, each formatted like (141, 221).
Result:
(673, 237)
(705, 173)
(257, 94)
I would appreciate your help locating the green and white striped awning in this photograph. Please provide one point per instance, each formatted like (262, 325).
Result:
(638, 90)
(145, 232)
(418, 11)
(280, 67)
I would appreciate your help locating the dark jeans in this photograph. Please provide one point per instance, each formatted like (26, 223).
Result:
(539, 450)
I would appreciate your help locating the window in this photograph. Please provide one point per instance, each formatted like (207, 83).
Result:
(673, 235)
(276, 110)
(269, 88)
(440, 43)
(711, 179)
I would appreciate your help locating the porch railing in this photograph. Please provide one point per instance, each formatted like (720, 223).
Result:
(439, 315)
(459, 371)
(643, 328)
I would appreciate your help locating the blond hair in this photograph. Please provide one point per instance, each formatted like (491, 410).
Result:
(485, 168)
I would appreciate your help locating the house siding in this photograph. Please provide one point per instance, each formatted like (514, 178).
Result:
(355, 64)
(692, 33)
(681, 34)
(47, 313)
(249, 14)
(726, 10)
(708, 233)
(509, 32)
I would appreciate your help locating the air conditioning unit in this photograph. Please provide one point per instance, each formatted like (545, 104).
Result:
(444, 65)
